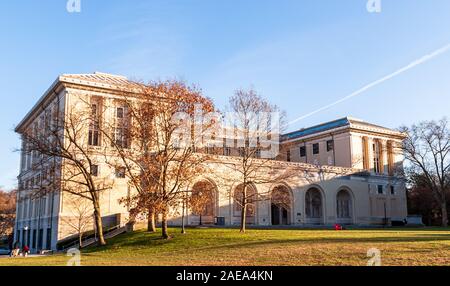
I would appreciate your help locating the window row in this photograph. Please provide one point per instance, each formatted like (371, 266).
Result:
(34, 207)
(315, 149)
(381, 190)
(119, 172)
(120, 134)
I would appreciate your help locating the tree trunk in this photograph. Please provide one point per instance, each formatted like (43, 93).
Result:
(164, 230)
(99, 225)
(444, 214)
(183, 226)
(151, 225)
(244, 208)
(243, 218)
(80, 240)
(200, 220)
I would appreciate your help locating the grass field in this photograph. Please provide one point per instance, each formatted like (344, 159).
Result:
(221, 247)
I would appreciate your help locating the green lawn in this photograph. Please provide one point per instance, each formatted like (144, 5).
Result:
(264, 247)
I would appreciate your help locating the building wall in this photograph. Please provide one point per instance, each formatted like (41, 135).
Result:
(367, 204)
(348, 150)
(37, 218)
(339, 156)
(370, 204)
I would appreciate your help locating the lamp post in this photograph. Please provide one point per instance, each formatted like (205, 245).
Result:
(25, 236)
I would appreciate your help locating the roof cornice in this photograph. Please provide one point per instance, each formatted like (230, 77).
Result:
(53, 89)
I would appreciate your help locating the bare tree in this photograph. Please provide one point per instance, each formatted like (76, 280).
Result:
(427, 150)
(256, 125)
(81, 219)
(72, 141)
(163, 155)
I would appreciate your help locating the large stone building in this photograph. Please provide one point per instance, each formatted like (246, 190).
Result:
(345, 171)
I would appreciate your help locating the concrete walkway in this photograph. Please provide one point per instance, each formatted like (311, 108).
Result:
(21, 257)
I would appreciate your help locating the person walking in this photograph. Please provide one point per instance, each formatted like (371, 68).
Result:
(25, 251)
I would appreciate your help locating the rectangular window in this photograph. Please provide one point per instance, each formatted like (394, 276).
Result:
(120, 112)
(121, 137)
(316, 149)
(330, 145)
(49, 238)
(380, 189)
(94, 127)
(94, 170)
(40, 239)
(34, 239)
(392, 190)
(23, 155)
(258, 153)
(376, 157)
(120, 172)
(288, 155)
(121, 131)
(28, 237)
(303, 151)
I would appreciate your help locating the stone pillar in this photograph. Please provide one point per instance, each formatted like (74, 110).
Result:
(383, 157)
(370, 154)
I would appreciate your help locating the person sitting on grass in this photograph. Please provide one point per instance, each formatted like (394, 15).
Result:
(15, 251)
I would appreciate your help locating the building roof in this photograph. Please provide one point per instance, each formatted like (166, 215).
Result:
(349, 122)
(97, 79)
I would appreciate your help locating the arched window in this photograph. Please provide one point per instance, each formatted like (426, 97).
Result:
(281, 206)
(313, 203)
(344, 204)
(202, 201)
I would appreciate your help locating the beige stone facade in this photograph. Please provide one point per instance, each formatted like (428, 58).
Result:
(345, 171)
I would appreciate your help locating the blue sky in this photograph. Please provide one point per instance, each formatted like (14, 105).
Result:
(299, 54)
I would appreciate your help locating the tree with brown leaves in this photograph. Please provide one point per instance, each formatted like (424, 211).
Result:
(201, 200)
(163, 157)
(7, 212)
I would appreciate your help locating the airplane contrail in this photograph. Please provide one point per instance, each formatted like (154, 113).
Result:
(379, 81)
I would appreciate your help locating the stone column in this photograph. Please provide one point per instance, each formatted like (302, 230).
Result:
(383, 157)
(370, 154)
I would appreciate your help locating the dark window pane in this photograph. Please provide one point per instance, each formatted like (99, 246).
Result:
(94, 170)
(303, 151)
(330, 145)
(119, 112)
(120, 172)
(380, 189)
(316, 148)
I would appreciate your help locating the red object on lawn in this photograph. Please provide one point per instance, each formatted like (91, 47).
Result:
(338, 227)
